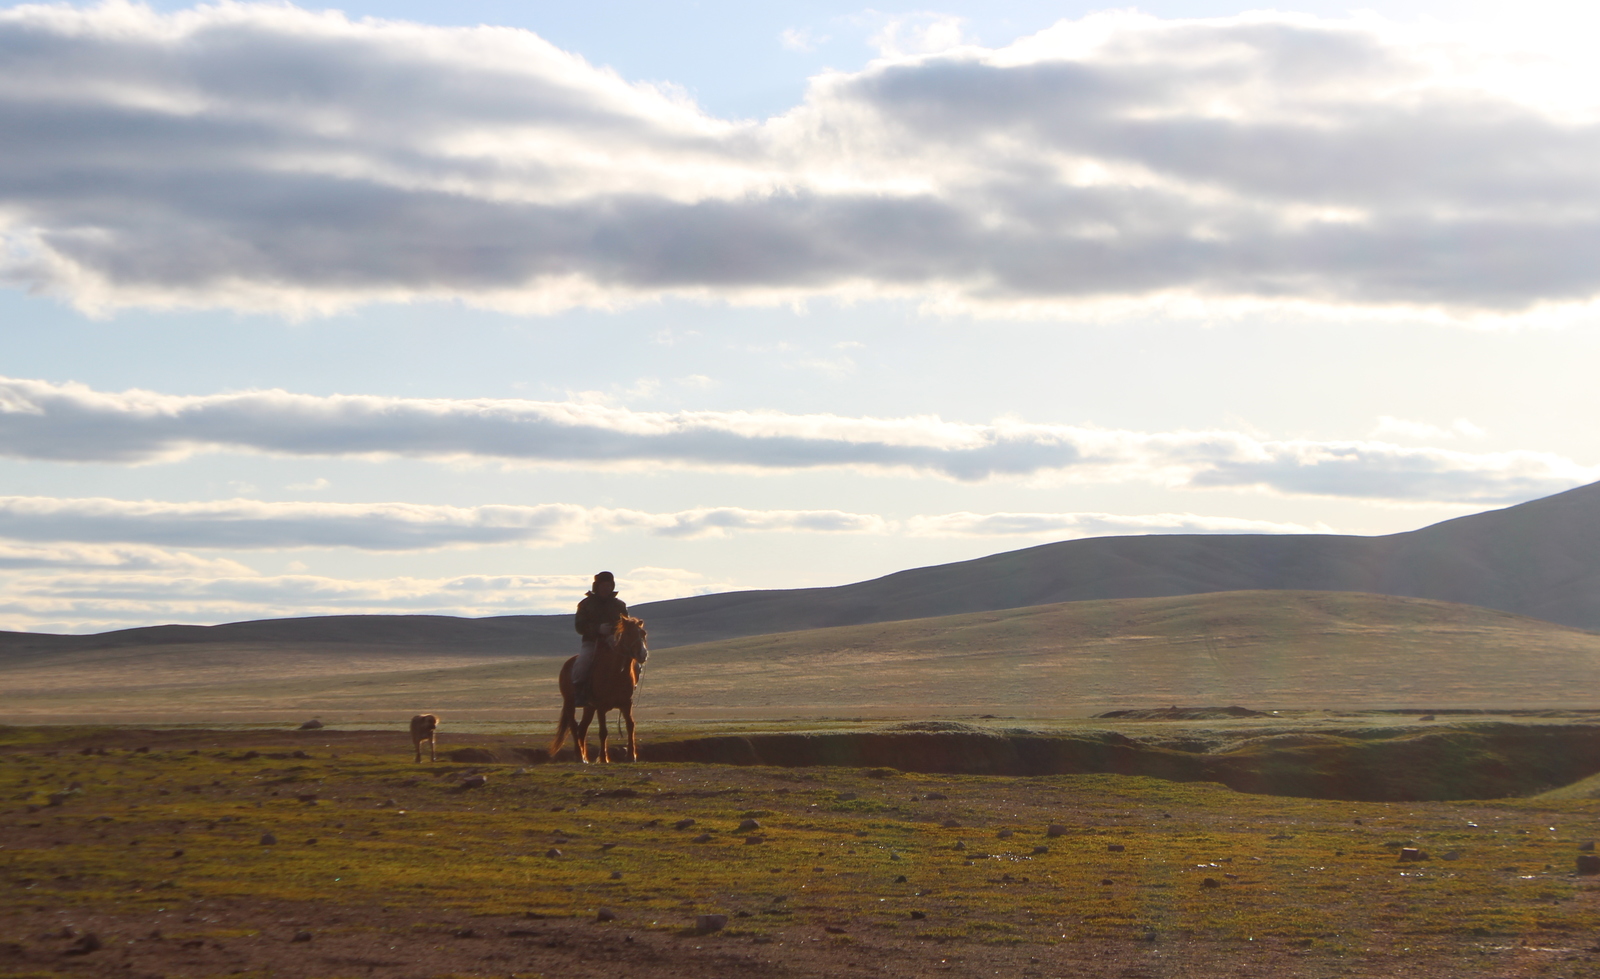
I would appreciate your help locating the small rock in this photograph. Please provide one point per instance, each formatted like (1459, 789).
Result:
(1106, 882)
(918, 915)
(1054, 830)
(900, 879)
(464, 933)
(1005, 834)
(960, 845)
(1115, 848)
(88, 943)
(1358, 822)
(301, 936)
(705, 924)
(307, 797)
(552, 853)
(845, 797)
(1587, 846)
(176, 854)
(1211, 882)
(752, 840)
(951, 824)
(311, 725)
(1149, 936)
(267, 839)
(475, 782)
(1451, 855)
(387, 803)
(605, 914)
(1410, 854)
(833, 929)
(683, 824)
(1040, 850)
(936, 796)
(616, 875)
(702, 838)
(748, 825)
(1588, 863)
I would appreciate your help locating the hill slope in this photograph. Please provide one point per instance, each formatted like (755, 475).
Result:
(1540, 559)
(1283, 650)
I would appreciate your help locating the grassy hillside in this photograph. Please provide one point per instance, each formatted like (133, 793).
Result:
(1265, 649)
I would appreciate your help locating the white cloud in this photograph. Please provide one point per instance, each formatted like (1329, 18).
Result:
(111, 557)
(921, 33)
(254, 524)
(95, 602)
(800, 39)
(248, 155)
(70, 422)
(1068, 525)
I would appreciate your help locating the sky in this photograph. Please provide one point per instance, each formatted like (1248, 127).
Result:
(405, 306)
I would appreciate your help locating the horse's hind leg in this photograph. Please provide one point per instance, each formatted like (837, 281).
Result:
(605, 749)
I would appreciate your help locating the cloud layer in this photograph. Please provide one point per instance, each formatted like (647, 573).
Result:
(69, 422)
(251, 155)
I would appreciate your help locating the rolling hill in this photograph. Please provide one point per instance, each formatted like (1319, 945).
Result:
(1538, 559)
(1264, 649)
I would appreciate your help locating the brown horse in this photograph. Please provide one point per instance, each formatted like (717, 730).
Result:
(613, 678)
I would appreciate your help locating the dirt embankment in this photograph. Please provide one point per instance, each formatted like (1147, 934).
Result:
(1479, 762)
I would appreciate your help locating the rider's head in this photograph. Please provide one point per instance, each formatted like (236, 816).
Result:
(604, 584)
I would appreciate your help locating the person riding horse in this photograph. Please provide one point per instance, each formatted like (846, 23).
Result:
(596, 621)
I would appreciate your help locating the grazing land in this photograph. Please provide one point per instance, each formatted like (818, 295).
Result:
(1273, 649)
(328, 853)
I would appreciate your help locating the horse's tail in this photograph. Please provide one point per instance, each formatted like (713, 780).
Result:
(569, 710)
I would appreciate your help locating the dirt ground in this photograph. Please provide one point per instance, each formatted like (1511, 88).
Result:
(198, 937)
(308, 941)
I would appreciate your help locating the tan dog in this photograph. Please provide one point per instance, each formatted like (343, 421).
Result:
(424, 727)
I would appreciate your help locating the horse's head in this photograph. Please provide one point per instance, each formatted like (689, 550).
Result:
(629, 638)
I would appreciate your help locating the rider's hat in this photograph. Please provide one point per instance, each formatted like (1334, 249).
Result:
(605, 583)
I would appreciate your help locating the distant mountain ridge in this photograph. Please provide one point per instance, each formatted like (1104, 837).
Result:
(1540, 559)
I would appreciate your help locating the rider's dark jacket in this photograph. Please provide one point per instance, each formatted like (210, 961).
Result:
(598, 614)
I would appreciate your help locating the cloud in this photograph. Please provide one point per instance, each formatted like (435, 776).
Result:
(71, 422)
(1391, 427)
(121, 557)
(95, 602)
(249, 155)
(1064, 525)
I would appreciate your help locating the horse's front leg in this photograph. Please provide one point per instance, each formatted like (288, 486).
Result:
(633, 741)
(605, 750)
(583, 734)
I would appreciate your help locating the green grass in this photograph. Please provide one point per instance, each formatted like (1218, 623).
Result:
(1289, 868)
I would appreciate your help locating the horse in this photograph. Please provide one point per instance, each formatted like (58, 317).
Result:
(424, 727)
(614, 676)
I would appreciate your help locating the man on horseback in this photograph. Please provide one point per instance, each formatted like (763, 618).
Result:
(596, 623)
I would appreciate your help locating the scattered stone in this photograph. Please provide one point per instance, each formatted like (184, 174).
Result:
(307, 797)
(936, 796)
(475, 781)
(1427, 717)
(267, 839)
(464, 933)
(311, 725)
(387, 803)
(1054, 830)
(951, 824)
(833, 929)
(1452, 855)
(301, 936)
(918, 915)
(1106, 882)
(846, 797)
(176, 854)
(1040, 850)
(552, 853)
(900, 879)
(605, 914)
(1588, 863)
(1410, 854)
(1280, 836)
(1211, 882)
(88, 943)
(312, 841)
(608, 846)
(748, 825)
(1005, 834)
(1358, 821)
(1587, 846)
(1149, 936)
(1115, 848)
(894, 856)
(1231, 876)
(702, 838)
(683, 824)
(960, 845)
(616, 875)
(705, 924)
(752, 840)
